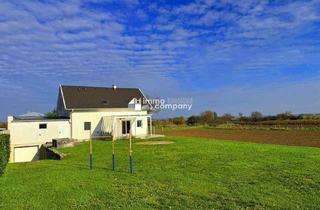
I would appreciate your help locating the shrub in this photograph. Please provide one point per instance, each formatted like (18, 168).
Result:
(207, 117)
(178, 120)
(226, 117)
(193, 120)
(285, 116)
(51, 115)
(229, 125)
(256, 116)
(4, 152)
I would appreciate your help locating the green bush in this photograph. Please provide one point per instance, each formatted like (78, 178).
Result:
(4, 152)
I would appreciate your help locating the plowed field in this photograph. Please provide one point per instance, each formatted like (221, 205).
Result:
(292, 137)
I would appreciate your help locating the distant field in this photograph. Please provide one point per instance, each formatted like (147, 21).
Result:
(192, 173)
(283, 137)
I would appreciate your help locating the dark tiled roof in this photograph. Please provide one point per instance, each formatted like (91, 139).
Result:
(82, 97)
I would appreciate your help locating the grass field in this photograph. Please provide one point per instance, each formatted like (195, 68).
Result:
(192, 173)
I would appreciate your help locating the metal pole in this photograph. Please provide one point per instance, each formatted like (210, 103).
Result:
(130, 152)
(151, 125)
(90, 150)
(113, 157)
(130, 165)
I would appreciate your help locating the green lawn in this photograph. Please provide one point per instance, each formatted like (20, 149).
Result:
(193, 173)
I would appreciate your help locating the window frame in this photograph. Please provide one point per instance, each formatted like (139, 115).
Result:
(43, 126)
(85, 126)
(139, 121)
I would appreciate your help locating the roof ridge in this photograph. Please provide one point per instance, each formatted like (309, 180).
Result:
(102, 87)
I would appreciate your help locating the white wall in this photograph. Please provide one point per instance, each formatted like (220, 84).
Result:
(27, 133)
(96, 118)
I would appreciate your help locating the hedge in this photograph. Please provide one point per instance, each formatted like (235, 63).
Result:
(4, 152)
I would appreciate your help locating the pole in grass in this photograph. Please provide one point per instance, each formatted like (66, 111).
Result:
(130, 152)
(113, 158)
(90, 149)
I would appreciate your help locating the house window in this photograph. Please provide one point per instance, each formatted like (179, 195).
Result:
(43, 126)
(139, 123)
(87, 126)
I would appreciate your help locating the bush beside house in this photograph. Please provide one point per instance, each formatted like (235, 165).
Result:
(4, 152)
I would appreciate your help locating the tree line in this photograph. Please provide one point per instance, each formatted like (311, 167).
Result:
(212, 118)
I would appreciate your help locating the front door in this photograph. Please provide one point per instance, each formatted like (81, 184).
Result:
(126, 127)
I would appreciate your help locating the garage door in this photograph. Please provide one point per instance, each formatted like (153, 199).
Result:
(25, 154)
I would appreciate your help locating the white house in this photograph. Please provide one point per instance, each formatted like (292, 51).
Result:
(83, 113)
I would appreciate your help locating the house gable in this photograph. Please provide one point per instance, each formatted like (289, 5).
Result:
(61, 109)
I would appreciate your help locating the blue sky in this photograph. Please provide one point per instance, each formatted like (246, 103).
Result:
(229, 56)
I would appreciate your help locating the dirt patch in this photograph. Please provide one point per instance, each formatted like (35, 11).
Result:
(154, 142)
(293, 137)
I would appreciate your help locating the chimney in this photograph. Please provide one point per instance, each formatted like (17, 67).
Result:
(114, 87)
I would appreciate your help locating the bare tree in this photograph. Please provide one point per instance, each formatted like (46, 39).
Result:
(207, 117)
(256, 116)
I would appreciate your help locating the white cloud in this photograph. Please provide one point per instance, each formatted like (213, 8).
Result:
(53, 42)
